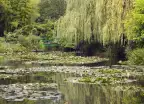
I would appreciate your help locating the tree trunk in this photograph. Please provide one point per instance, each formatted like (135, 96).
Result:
(1, 28)
(1, 33)
(113, 54)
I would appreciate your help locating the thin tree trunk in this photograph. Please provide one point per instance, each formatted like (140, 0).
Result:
(1, 32)
(113, 54)
(2, 28)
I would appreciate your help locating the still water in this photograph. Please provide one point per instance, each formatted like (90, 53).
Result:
(52, 88)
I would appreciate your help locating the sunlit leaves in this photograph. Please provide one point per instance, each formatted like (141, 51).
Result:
(18, 13)
(135, 22)
(100, 19)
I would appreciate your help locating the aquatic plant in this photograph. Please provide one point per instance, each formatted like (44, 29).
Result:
(110, 71)
(86, 79)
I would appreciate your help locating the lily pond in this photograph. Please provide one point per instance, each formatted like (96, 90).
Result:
(32, 82)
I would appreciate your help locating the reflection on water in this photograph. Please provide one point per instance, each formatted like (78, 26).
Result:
(2, 101)
(74, 93)
(97, 94)
(92, 94)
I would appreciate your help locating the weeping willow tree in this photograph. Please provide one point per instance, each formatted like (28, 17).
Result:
(98, 20)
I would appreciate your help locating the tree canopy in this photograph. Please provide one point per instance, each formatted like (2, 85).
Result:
(101, 20)
(18, 13)
(135, 23)
(52, 9)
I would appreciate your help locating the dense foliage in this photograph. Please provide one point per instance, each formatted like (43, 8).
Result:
(135, 31)
(104, 31)
(135, 23)
(136, 57)
(93, 20)
(51, 9)
(17, 14)
(29, 24)
(19, 21)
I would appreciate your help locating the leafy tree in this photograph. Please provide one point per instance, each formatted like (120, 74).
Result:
(94, 20)
(18, 13)
(86, 19)
(52, 9)
(135, 23)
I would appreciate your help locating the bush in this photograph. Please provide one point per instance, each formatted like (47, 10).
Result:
(18, 48)
(29, 36)
(11, 37)
(10, 48)
(46, 30)
(5, 48)
(31, 42)
(25, 42)
(136, 57)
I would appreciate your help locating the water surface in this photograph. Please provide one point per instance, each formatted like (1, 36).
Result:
(53, 88)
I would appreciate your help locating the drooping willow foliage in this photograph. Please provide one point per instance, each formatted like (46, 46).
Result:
(99, 20)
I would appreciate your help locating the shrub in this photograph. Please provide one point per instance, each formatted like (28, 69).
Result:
(24, 42)
(29, 36)
(5, 47)
(46, 30)
(29, 56)
(136, 57)
(31, 42)
(18, 48)
(10, 48)
(12, 37)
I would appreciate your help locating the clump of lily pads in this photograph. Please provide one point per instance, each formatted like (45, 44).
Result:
(30, 91)
(110, 71)
(102, 80)
(111, 76)
(53, 58)
(59, 58)
(86, 79)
